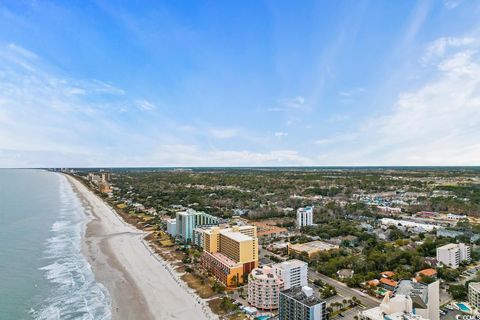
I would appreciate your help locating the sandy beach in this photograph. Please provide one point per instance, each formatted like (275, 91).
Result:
(141, 284)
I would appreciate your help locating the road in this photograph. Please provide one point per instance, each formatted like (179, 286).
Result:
(344, 290)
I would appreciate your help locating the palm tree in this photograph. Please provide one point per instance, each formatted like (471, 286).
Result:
(233, 281)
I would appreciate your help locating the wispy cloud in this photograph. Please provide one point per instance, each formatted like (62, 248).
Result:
(144, 105)
(451, 4)
(290, 104)
(437, 48)
(192, 155)
(280, 134)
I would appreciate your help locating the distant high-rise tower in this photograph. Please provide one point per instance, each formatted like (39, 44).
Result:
(304, 217)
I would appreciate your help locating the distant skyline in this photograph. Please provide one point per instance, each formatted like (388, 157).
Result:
(246, 83)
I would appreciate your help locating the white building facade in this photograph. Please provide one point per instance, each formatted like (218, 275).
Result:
(411, 301)
(293, 273)
(474, 294)
(452, 254)
(304, 217)
(172, 227)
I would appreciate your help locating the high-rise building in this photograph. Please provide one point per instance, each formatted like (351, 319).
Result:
(304, 217)
(188, 220)
(451, 255)
(410, 301)
(299, 303)
(172, 227)
(293, 273)
(264, 287)
(474, 294)
(230, 253)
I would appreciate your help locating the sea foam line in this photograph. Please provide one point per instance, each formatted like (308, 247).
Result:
(74, 293)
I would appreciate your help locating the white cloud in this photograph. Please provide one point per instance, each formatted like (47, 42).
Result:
(280, 134)
(192, 155)
(437, 48)
(145, 105)
(451, 4)
(437, 124)
(351, 92)
(290, 104)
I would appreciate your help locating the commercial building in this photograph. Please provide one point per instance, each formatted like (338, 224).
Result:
(410, 301)
(418, 227)
(172, 227)
(230, 253)
(474, 294)
(309, 249)
(188, 220)
(264, 287)
(456, 217)
(293, 273)
(304, 217)
(452, 254)
(299, 303)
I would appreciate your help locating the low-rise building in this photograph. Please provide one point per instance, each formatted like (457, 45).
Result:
(452, 254)
(266, 230)
(309, 249)
(299, 303)
(456, 217)
(293, 273)
(264, 287)
(345, 273)
(388, 284)
(431, 273)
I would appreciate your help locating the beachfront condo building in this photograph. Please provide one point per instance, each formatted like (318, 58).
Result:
(293, 273)
(304, 217)
(299, 303)
(230, 253)
(410, 301)
(199, 233)
(188, 220)
(264, 288)
(172, 227)
(452, 254)
(474, 294)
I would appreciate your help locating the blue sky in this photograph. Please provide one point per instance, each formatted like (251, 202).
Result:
(214, 83)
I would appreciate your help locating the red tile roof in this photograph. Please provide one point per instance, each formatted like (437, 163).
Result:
(389, 282)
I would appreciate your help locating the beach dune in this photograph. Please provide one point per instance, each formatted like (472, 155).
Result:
(141, 284)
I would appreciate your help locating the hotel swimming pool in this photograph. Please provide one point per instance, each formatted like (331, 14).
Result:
(463, 307)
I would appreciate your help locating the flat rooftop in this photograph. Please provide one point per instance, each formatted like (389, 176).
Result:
(237, 236)
(294, 263)
(314, 246)
(297, 294)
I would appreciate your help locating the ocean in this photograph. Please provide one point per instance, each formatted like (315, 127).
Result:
(43, 274)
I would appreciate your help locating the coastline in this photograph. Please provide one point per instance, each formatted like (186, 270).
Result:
(141, 284)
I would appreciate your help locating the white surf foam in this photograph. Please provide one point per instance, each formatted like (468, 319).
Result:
(74, 293)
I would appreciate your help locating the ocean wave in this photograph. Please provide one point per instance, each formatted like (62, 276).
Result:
(74, 293)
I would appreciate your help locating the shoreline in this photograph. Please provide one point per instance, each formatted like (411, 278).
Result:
(141, 284)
